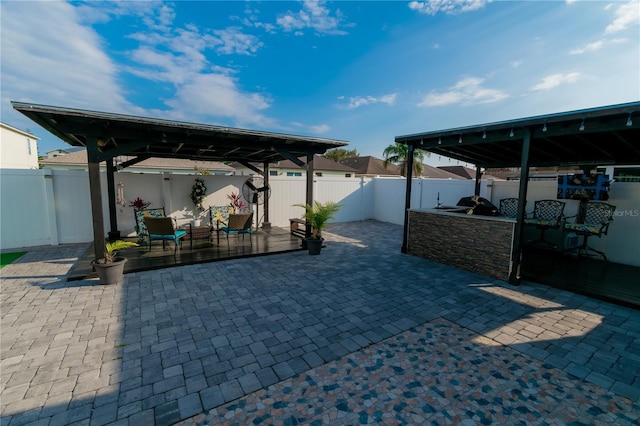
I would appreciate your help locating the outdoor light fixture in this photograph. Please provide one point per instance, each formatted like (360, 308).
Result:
(581, 128)
(544, 128)
(629, 122)
(511, 133)
(484, 135)
(421, 141)
(460, 140)
(439, 141)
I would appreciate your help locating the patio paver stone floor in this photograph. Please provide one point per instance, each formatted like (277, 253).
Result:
(361, 334)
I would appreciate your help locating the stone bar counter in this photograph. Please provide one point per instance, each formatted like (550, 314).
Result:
(480, 244)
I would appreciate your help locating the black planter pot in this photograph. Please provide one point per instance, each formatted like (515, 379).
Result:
(110, 273)
(314, 245)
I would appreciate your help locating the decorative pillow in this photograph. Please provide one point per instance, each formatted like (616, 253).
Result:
(141, 230)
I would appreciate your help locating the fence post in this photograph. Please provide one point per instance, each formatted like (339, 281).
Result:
(51, 207)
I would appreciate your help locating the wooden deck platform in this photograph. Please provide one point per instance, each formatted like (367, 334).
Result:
(264, 242)
(590, 276)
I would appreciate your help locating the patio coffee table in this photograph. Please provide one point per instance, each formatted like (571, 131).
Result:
(197, 233)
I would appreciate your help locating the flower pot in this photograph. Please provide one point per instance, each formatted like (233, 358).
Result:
(197, 222)
(110, 273)
(314, 245)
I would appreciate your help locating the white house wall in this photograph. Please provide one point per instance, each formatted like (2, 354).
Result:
(18, 150)
(27, 220)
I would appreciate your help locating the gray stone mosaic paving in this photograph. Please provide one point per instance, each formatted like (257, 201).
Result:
(171, 344)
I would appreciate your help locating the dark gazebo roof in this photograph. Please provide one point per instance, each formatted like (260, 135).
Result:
(607, 135)
(120, 134)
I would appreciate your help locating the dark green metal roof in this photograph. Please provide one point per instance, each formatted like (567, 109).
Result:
(608, 135)
(120, 134)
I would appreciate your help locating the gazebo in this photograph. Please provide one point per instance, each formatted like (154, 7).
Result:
(608, 135)
(108, 135)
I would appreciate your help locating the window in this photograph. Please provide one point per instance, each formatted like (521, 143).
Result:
(294, 173)
(29, 146)
(273, 173)
(319, 174)
(347, 175)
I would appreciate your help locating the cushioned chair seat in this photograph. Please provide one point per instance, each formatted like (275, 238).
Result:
(178, 234)
(578, 227)
(162, 228)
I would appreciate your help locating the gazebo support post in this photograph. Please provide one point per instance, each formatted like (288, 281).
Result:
(516, 249)
(309, 200)
(407, 198)
(265, 223)
(93, 164)
(478, 177)
(114, 234)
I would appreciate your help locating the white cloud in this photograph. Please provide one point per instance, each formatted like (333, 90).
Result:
(313, 15)
(627, 15)
(207, 95)
(449, 7)
(320, 128)
(468, 91)
(358, 101)
(555, 80)
(591, 47)
(60, 62)
(232, 40)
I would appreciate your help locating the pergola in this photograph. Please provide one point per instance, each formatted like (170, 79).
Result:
(608, 135)
(107, 135)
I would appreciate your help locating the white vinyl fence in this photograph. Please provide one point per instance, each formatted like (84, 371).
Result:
(44, 207)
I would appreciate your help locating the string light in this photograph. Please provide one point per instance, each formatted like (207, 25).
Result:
(511, 133)
(484, 135)
(544, 128)
(581, 128)
(439, 141)
(460, 140)
(629, 122)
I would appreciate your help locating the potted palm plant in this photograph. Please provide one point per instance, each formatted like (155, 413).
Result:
(110, 268)
(318, 215)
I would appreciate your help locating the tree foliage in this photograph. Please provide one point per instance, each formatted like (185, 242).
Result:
(399, 154)
(339, 154)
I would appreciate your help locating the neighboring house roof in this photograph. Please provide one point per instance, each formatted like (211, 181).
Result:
(437, 173)
(319, 164)
(62, 151)
(16, 130)
(371, 166)
(79, 159)
(467, 173)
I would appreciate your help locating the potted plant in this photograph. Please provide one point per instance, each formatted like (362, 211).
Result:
(318, 215)
(139, 204)
(236, 205)
(110, 268)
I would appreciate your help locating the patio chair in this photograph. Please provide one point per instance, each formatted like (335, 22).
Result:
(239, 223)
(592, 221)
(140, 228)
(509, 207)
(163, 228)
(547, 214)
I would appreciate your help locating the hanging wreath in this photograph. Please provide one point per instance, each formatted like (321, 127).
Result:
(198, 191)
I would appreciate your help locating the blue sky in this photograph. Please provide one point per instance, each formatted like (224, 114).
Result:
(360, 71)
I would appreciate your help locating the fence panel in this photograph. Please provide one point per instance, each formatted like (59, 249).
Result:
(23, 209)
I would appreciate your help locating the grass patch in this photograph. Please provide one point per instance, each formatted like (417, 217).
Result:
(7, 258)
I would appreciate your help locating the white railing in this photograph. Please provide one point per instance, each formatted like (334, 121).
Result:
(40, 207)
